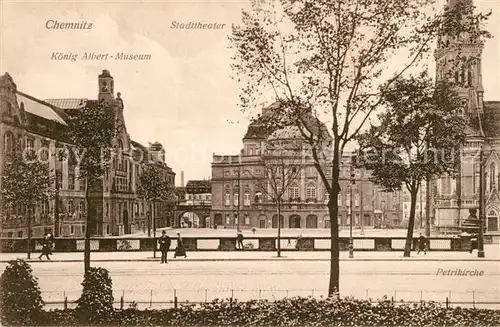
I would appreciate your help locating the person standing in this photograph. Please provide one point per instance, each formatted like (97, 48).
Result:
(180, 251)
(240, 238)
(422, 242)
(46, 242)
(164, 246)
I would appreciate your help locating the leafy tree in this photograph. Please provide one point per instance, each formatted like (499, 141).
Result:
(153, 188)
(419, 136)
(95, 305)
(92, 131)
(20, 297)
(327, 59)
(26, 182)
(283, 163)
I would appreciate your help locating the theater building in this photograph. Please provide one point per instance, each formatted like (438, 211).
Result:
(27, 122)
(238, 182)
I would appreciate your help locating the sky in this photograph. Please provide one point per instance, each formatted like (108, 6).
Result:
(184, 96)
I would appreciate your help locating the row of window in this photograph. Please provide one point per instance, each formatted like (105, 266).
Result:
(234, 219)
(198, 196)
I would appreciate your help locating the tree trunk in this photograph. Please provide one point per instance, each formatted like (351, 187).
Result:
(411, 222)
(279, 228)
(153, 217)
(333, 210)
(86, 257)
(149, 221)
(29, 235)
(428, 208)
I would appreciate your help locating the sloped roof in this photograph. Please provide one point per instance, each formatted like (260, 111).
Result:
(39, 108)
(259, 129)
(491, 118)
(68, 103)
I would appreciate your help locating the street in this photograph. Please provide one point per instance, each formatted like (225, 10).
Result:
(151, 284)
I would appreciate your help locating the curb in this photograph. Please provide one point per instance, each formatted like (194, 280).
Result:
(257, 259)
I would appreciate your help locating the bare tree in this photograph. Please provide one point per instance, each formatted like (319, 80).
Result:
(283, 162)
(330, 59)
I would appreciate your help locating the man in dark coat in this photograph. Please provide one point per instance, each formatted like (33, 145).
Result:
(164, 246)
(46, 242)
(422, 242)
(239, 238)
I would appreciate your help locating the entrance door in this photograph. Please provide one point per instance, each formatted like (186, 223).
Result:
(492, 222)
(218, 219)
(312, 221)
(126, 226)
(275, 221)
(294, 221)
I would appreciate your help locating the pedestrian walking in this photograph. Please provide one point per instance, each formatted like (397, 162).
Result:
(46, 243)
(180, 250)
(164, 246)
(422, 243)
(239, 238)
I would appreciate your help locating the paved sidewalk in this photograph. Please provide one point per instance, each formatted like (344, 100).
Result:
(492, 253)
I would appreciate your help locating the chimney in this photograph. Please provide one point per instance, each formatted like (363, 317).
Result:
(182, 178)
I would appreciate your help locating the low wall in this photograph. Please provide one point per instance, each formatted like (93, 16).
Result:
(229, 244)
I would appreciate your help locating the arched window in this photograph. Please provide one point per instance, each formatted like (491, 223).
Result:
(246, 197)
(469, 76)
(136, 209)
(311, 191)
(294, 191)
(258, 197)
(227, 197)
(493, 175)
(71, 209)
(236, 196)
(81, 209)
(8, 142)
(19, 143)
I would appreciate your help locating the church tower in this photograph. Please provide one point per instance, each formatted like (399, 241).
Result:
(106, 87)
(458, 60)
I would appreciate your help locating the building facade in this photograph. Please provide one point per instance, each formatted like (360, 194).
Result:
(198, 195)
(30, 123)
(458, 59)
(240, 186)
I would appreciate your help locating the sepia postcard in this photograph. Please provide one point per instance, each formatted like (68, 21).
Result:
(250, 162)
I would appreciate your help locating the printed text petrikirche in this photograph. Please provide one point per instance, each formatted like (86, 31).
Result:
(459, 272)
(54, 24)
(73, 56)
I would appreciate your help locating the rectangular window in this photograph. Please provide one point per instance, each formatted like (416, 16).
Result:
(236, 219)
(356, 200)
(228, 220)
(246, 199)
(247, 219)
(72, 230)
(236, 199)
(228, 199)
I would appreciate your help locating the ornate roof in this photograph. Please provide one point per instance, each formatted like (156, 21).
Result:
(259, 129)
(69, 103)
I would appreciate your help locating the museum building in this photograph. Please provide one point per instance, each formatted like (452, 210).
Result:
(27, 122)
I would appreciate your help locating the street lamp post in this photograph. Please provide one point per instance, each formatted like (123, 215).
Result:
(351, 243)
(480, 238)
(362, 214)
